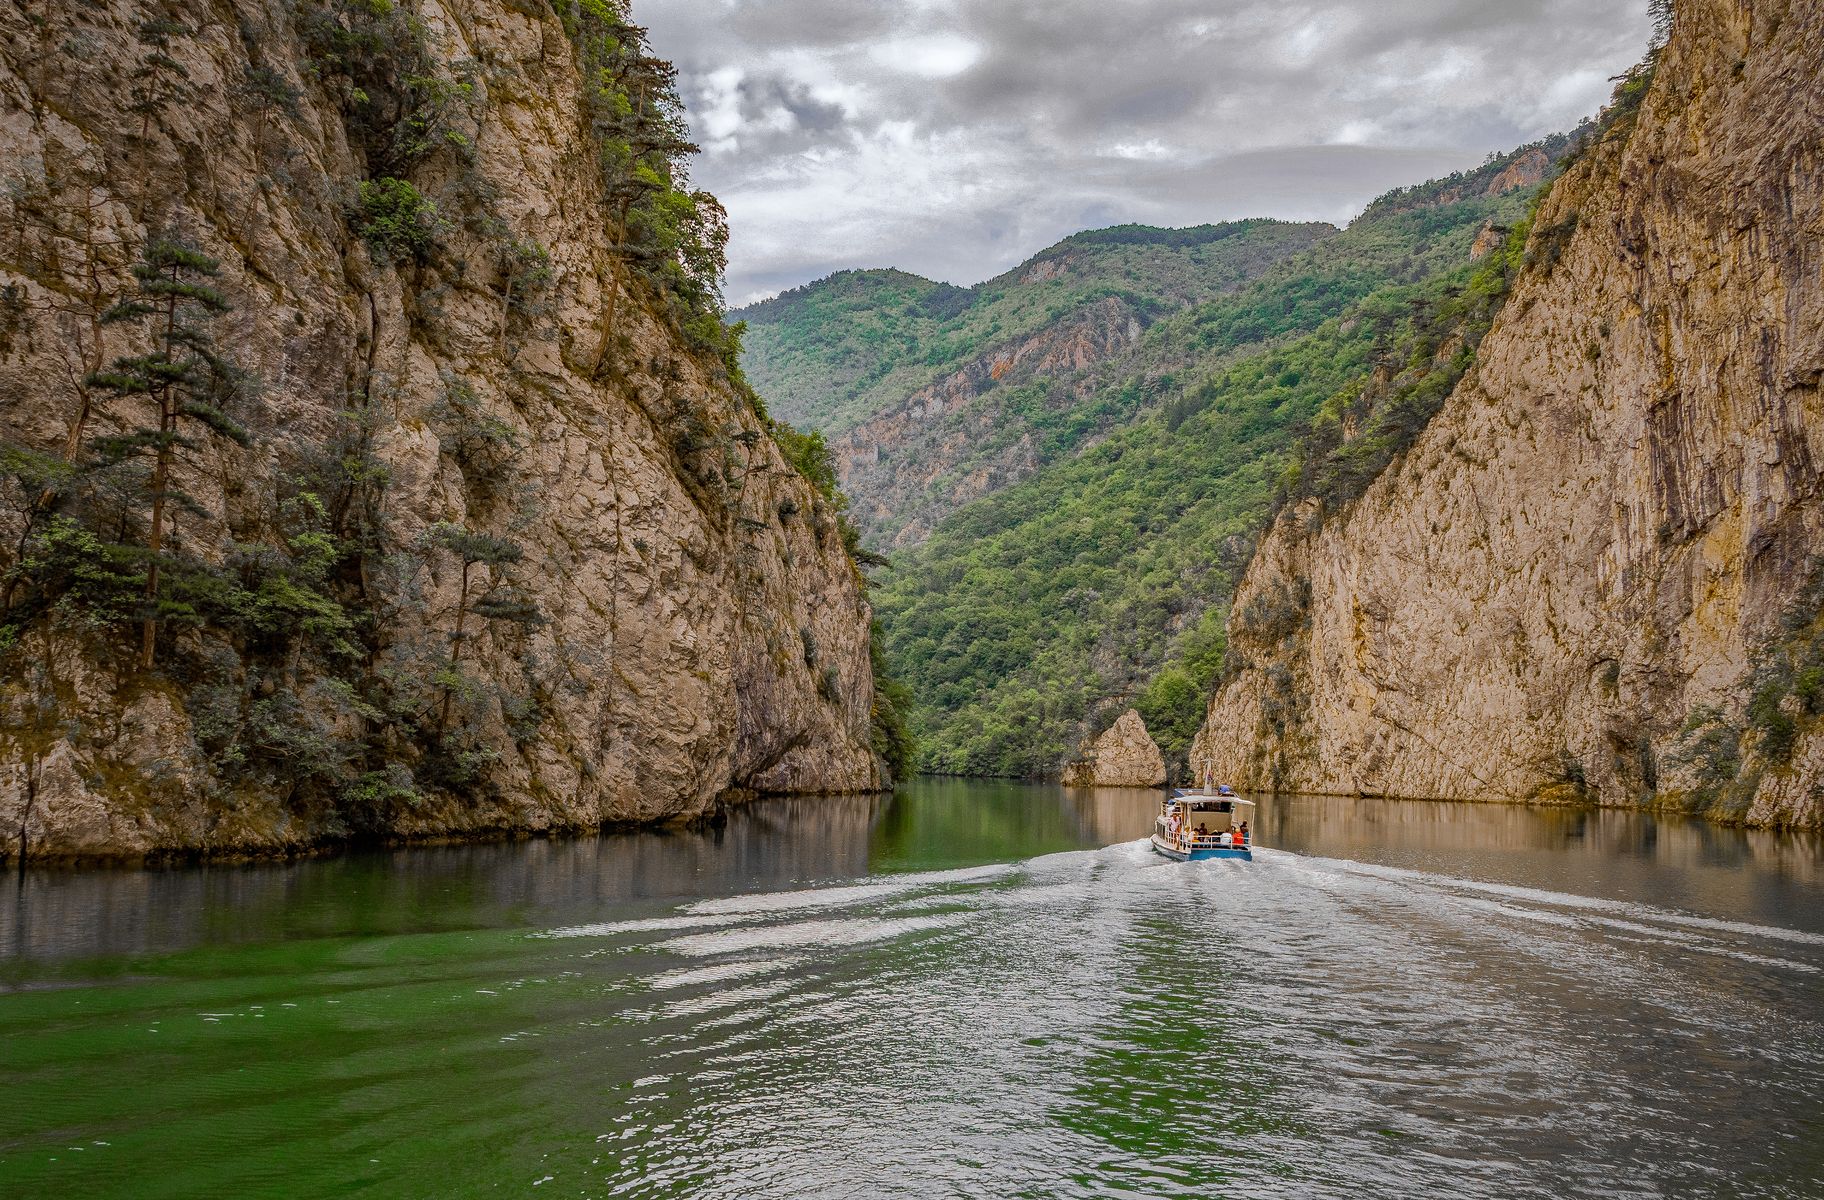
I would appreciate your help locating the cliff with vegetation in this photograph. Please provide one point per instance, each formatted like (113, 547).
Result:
(377, 462)
(1596, 573)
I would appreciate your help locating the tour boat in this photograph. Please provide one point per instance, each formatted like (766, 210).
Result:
(1199, 825)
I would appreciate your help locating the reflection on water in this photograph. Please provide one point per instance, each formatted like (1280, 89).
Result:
(1747, 873)
(930, 823)
(967, 989)
(60, 913)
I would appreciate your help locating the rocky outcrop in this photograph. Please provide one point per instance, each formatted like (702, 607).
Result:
(1526, 167)
(1488, 240)
(1583, 580)
(1125, 755)
(700, 626)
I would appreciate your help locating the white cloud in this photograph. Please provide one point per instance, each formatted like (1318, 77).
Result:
(929, 56)
(957, 137)
(718, 113)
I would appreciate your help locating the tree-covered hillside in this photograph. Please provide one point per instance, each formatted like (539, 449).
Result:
(1032, 616)
(833, 353)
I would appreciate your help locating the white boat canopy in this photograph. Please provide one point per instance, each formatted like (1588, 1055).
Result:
(1205, 800)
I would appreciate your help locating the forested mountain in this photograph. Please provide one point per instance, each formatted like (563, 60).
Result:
(931, 395)
(1032, 615)
(835, 353)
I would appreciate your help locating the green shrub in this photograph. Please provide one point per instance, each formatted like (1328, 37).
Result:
(382, 792)
(397, 221)
(98, 583)
(889, 716)
(1709, 744)
(809, 455)
(1787, 686)
(1172, 706)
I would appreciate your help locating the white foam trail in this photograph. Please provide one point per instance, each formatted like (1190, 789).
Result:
(784, 902)
(750, 1000)
(981, 874)
(846, 932)
(1622, 908)
(649, 925)
(846, 894)
(719, 973)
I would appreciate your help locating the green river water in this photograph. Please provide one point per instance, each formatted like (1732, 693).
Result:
(965, 989)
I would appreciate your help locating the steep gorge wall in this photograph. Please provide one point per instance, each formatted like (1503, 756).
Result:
(1582, 576)
(703, 627)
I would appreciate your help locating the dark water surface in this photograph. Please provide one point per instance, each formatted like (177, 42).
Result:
(968, 989)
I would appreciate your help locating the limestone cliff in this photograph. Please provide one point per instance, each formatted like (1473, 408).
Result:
(1594, 574)
(673, 614)
(1125, 755)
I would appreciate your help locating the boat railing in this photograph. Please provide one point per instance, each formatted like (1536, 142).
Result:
(1212, 841)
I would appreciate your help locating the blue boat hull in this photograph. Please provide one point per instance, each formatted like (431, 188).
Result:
(1201, 853)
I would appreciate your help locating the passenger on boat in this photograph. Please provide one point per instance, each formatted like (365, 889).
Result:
(1228, 839)
(1241, 839)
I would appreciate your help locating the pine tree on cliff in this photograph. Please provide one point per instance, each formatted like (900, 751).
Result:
(496, 604)
(643, 139)
(182, 380)
(160, 80)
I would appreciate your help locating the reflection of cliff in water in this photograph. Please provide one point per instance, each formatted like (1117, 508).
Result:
(1328, 824)
(936, 822)
(1560, 844)
(929, 824)
(766, 845)
(1110, 814)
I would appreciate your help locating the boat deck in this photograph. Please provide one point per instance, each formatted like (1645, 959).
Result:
(1198, 849)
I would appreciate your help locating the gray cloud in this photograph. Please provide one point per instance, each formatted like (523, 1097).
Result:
(956, 137)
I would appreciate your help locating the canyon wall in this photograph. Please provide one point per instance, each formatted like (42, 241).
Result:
(688, 618)
(1595, 576)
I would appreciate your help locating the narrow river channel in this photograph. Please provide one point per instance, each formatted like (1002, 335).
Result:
(967, 989)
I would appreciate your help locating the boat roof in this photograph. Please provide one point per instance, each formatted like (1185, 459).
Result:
(1199, 799)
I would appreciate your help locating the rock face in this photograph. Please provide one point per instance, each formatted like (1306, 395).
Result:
(1124, 756)
(702, 625)
(1588, 572)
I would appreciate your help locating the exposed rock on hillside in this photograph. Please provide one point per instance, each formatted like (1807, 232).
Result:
(1594, 574)
(1124, 756)
(676, 615)
(902, 466)
(1525, 168)
(933, 396)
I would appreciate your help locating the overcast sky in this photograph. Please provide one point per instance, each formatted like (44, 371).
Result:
(955, 138)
